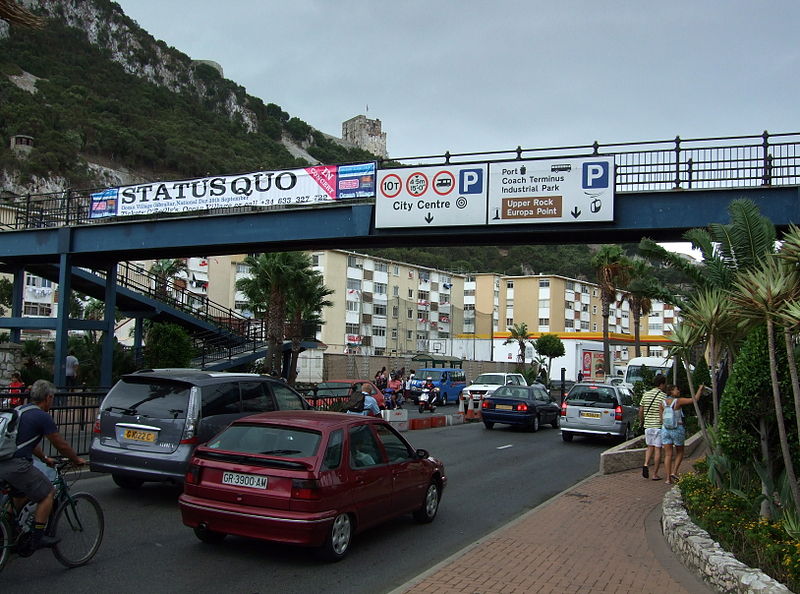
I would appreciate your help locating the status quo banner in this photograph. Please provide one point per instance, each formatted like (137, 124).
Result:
(322, 183)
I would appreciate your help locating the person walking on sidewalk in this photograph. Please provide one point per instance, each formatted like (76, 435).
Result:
(650, 417)
(675, 436)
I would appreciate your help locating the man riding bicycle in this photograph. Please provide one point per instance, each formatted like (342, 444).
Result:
(28, 482)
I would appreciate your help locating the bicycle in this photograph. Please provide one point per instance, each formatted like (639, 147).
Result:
(77, 519)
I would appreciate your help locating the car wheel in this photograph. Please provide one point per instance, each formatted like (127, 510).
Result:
(628, 433)
(488, 424)
(208, 536)
(556, 422)
(427, 512)
(421, 409)
(339, 537)
(566, 435)
(127, 482)
(535, 424)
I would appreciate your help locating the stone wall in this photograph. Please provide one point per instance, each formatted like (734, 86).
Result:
(704, 557)
(10, 361)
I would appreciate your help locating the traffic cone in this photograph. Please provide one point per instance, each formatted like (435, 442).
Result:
(470, 411)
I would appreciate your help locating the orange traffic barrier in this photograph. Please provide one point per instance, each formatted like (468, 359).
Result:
(419, 423)
(438, 421)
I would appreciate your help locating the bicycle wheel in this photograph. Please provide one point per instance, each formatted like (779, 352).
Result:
(6, 541)
(79, 524)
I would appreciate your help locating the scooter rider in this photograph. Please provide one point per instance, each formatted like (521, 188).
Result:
(432, 391)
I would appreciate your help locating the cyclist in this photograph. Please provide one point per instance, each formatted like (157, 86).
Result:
(27, 481)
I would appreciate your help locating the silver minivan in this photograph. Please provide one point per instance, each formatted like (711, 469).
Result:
(598, 409)
(150, 422)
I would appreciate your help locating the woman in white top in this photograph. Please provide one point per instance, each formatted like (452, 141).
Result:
(675, 437)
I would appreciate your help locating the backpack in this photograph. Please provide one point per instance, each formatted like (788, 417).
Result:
(356, 403)
(9, 426)
(669, 420)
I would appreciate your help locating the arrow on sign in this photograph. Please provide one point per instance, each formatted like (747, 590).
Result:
(575, 212)
(429, 218)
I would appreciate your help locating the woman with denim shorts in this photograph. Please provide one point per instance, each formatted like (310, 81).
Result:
(675, 438)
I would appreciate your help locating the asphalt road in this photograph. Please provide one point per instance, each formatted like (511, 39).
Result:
(494, 476)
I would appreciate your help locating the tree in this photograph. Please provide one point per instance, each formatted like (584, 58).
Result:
(167, 345)
(165, 271)
(306, 301)
(641, 288)
(612, 268)
(519, 334)
(266, 291)
(550, 346)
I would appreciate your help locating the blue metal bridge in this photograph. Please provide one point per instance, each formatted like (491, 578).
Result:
(663, 188)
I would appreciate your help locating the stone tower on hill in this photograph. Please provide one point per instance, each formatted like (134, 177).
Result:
(365, 134)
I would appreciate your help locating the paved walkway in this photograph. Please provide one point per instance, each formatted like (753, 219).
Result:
(602, 535)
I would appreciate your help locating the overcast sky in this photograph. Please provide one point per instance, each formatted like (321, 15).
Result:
(475, 76)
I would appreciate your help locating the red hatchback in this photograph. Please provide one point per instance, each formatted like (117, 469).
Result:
(309, 478)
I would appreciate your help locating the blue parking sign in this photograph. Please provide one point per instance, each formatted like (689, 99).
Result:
(595, 175)
(470, 181)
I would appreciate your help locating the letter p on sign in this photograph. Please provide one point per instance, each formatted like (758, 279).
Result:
(595, 175)
(470, 181)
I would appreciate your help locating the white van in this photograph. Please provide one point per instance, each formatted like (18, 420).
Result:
(633, 371)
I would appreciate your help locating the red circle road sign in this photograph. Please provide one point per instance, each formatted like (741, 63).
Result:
(417, 184)
(444, 182)
(391, 185)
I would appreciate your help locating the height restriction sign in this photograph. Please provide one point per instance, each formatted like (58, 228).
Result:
(436, 196)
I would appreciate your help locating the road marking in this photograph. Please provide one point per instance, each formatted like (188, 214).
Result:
(510, 445)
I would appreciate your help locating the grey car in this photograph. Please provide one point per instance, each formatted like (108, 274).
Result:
(150, 422)
(598, 409)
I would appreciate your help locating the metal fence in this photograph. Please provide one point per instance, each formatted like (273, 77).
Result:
(692, 163)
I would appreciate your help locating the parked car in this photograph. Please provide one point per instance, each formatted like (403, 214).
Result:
(344, 388)
(557, 393)
(598, 409)
(486, 383)
(150, 422)
(449, 381)
(308, 478)
(526, 406)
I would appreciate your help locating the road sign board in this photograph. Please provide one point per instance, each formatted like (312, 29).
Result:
(436, 196)
(552, 191)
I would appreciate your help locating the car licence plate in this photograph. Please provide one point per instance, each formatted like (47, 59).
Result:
(244, 480)
(586, 414)
(504, 407)
(138, 435)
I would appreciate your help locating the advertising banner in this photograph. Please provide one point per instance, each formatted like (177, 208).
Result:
(552, 191)
(322, 183)
(436, 196)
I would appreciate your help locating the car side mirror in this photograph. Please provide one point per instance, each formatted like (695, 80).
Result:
(422, 454)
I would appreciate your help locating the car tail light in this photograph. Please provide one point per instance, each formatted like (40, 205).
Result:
(521, 407)
(487, 404)
(96, 428)
(618, 413)
(192, 476)
(307, 489)
(564, 409)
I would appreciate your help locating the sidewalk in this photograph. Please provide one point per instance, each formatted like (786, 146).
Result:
(602, 535)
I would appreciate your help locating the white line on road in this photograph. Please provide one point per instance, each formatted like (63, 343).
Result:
(510, 445)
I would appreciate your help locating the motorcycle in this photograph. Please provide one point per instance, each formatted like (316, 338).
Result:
(389, 402)
(428, 399)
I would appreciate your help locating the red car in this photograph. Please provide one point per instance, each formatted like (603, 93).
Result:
(308, 478)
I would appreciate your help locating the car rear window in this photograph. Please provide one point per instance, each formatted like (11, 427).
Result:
(272, 440)
(512, 392)
(592, 395)
(491, 378)
(161, 399)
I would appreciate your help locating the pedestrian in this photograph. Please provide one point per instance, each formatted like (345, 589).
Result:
(650, 417)
(580, 376)
(674, 437)
(396, 386)
(71, 365)
(409, 379)
(15, 390)
(381, 380)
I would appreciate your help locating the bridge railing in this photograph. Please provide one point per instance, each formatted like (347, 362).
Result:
(722, 162)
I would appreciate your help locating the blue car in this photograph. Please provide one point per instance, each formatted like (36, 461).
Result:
(526, 406)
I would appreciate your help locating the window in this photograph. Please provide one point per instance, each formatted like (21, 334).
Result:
(395, 291)
(395, 311)
(509, 321)
(509, 284)
(544, 321)
(410, 314)
(396, 448)
(333, 453)
(569, 323)
(569, 305)
(544, 282)
(354, 262)
(423, 295)
(255, 397)
(353, 284)
(244, 268)
(394, 333)
(594, 292)
(422, 315)
(469, 307)
(353, 305)
(379, 330)
(222, 399)
(395, 270)
(315, 259)
(584, 325)
(364, 449)
(544, 304)
(585, 307)
(469, 292)
(380, 288)
(286, 398)
(409, 334)
(379, 309)
(411, 293)
(381, 267)
(36, 309)
(594, 309)
(422, 336)
(352, 328)
(570, 286)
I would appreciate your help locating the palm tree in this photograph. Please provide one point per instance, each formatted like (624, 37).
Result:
(267, 290)
(642, 287)
(761, 293)
(166, 270)
(16, 15)
(519, 334)
(682, 342)
(612, 268)
(306, 301)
